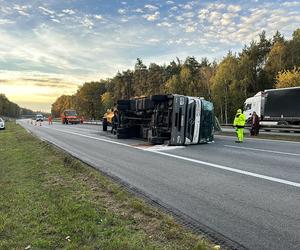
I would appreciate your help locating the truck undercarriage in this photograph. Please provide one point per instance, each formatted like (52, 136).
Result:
(175, 119)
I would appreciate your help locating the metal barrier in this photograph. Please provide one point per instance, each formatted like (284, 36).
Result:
(280, 128)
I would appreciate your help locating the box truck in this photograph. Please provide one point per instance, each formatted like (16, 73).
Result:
(275, 106)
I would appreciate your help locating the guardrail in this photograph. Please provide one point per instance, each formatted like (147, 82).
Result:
(280, 128)
(93, 122)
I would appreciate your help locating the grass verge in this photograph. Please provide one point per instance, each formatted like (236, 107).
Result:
(49, 200)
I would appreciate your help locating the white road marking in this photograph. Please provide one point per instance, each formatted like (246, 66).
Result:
(262, 150)
(265, 177)
(234, 170)
(254, 139)
(162, 148)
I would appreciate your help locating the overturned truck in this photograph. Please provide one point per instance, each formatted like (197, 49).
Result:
(173, 119)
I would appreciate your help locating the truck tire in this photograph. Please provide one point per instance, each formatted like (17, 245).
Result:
(67, 122)
(156, 140)
(159, 98)
(122, 136)
(104, 124)
(123, 131)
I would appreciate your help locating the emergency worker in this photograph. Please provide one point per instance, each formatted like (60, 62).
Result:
(239, 124)
(50, 120)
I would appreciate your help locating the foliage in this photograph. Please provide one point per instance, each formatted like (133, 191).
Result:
(10, 109)
(288, 78)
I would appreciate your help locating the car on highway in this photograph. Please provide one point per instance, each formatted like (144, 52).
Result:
(39, 118)
(2, 124)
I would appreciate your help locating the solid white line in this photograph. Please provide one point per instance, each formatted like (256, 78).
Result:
(265, 177)
(254, 139)
(262, 150)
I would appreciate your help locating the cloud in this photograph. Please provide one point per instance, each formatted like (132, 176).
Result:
(6, 21)
(151, 7)
(164, 24)
(68, 11)
(46, 11)
(188, 14)
(98, 17)
(153, 17)
(169, 2)
(21, 9)
(234, 8)
(138, 10)
(121, 11)
(216, 6)
(190, 29)
(291, 4)
(187, 7)
(86, 22)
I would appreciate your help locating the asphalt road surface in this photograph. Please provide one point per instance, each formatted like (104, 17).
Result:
(249, 193)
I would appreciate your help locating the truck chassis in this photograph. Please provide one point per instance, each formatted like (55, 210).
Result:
(175, 119)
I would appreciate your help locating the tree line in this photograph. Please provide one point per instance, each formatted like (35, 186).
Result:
(262, 64)
(10, 109)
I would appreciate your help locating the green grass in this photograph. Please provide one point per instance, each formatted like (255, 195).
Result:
(49, 200)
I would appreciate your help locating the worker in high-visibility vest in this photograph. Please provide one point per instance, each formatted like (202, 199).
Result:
(239, 124)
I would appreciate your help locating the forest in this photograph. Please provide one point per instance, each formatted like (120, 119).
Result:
(262, 64)
(12, 110)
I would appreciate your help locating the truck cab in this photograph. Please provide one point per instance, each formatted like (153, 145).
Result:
(252, 104)
(69, 116)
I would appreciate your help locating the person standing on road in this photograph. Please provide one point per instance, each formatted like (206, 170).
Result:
(115, 122)
(50, 120)
(254, 124)
(239, 124)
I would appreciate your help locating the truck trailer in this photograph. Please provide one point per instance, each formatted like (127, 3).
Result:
(173, 119)
(275, 106)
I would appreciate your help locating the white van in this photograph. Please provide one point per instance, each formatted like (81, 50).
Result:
(2, 123)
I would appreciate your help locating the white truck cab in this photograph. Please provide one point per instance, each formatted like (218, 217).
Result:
(252, 104)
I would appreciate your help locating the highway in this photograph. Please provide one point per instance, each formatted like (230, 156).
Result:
(247, 195)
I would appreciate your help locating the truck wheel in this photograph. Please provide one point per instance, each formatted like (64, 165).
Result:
(122, 136)
(284, 123)
(104, 124)
(156, 140)
(159, 98)
(123, 131)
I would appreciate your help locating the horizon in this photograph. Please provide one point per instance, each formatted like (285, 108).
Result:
(50, 49)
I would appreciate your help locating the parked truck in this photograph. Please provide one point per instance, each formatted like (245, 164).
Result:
(275, 106)
(175, 119)
(69, 116)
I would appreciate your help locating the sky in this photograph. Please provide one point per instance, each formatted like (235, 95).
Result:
(49, 48)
